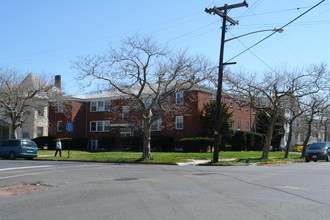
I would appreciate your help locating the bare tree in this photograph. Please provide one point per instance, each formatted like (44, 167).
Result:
(314, 105)
(19, 95)
(294, 112)
(147, 73)
(324, 121)
(272, 92)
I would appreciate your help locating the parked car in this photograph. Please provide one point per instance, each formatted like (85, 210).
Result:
(18, 148)
(318, 151)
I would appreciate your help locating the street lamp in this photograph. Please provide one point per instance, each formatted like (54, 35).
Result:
(217, 120)
(279, 30)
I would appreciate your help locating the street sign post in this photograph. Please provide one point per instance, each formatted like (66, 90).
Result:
(69, 129)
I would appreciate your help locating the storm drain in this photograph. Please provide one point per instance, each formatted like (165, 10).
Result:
(127, 179)
(21, 189)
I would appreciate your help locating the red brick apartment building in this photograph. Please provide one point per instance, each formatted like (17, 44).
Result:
(103, 115)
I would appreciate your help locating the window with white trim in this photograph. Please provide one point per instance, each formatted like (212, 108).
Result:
(239, 125)
(41, 112)
(179, 98)
(59, 107)
(179, 122)
(40, 131)
(125, 111)
(99, 126)
(93, 144)
(25, 133)
(156, 125)
(59, 126)
(100, 106)
(231, 102)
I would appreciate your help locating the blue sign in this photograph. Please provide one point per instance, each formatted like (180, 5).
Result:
(69, 127)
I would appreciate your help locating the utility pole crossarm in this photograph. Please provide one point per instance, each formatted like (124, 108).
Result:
(217, 11)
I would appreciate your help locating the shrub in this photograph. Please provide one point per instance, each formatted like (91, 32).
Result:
(78, 143)
(45, 141)
(162, 143)
(300, 148)
(131, 143)
(238, 141)
(198, 144)
(107, 143)
(249, 140)
(258, 141)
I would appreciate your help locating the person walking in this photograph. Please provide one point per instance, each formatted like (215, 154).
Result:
(58, 147)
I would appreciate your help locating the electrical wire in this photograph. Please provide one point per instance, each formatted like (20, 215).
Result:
(275, 32)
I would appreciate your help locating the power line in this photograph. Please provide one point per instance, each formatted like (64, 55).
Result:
(275, 32)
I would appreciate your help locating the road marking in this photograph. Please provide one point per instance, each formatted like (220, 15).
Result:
(21, 168)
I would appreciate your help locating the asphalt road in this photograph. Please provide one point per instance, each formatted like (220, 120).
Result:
(126, 191)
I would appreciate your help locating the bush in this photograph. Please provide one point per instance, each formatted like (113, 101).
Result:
(198, 144)
(78, 143)
(163, 143)
(131, 143)
(258, 141)
(45, 141)
(238, 141)
(249, 141)
(107, 143)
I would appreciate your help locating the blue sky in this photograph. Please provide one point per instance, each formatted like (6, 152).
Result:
(45, 36)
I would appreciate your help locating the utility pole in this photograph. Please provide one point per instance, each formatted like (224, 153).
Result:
(222, 12)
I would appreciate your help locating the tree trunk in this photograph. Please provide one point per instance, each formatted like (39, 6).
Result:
(268, 140)
(286, 155)
(326, 131)
(146, 140)
(309, 132)
(12, 131)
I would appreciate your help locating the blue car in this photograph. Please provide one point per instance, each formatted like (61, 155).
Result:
(18, 148)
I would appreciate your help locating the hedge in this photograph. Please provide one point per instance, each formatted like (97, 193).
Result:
(107, 143)
(197, 144)
(45, 141)
(163, 143)
(238, 141)
(131, 143)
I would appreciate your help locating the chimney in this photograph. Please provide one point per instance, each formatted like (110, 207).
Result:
(58, 81)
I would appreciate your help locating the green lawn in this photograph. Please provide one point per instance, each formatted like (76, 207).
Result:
(226, 158)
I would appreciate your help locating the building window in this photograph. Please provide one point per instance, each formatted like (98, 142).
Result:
(125, 132)
(100, 106)
(100, 126)
(40, 131)
(125, 111)
(59, 107)
(93, 144)
(41, 112)
(239, 125)
(59, 126)
(156, 125)
(25, 133)
(247, 126)
(231, 102)
(179, 98)
(238, 105)
(179, 122)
